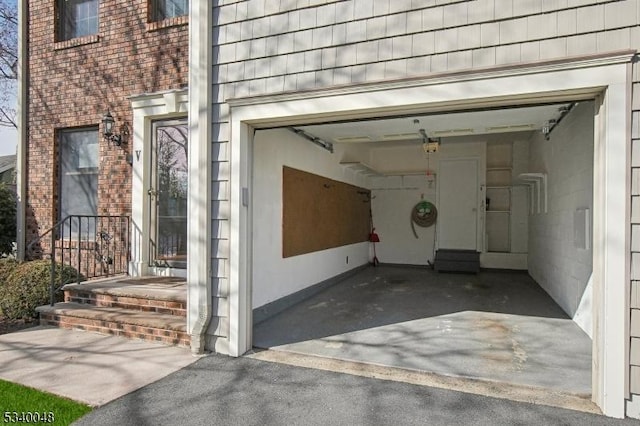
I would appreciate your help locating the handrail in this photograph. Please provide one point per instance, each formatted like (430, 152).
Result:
(104, 239)
(44, 234)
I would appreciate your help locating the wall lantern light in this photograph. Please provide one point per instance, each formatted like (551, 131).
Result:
(108, 123)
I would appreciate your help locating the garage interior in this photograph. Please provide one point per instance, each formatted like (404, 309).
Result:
(514, 185)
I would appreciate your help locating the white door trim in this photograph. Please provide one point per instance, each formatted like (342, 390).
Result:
(559, 81)
(146, 108)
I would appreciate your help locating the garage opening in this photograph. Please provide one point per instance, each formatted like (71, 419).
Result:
(260, 278)
(514, 186)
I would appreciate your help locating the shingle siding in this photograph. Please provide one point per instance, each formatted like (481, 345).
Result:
(634, 34)
(365, 32)
(269, 47)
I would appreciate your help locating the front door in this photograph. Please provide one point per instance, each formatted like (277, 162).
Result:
(458, 204)
(168, 194)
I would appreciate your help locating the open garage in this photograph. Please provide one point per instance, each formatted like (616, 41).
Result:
(513, 191)
(527, 171)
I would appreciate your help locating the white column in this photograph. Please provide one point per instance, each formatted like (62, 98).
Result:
(611, 231)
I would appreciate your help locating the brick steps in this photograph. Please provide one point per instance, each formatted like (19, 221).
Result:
(147, 309)
(128, 301)
(168, 329)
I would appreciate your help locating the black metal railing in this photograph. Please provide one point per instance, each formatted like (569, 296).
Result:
(169, 247)
(95, 246)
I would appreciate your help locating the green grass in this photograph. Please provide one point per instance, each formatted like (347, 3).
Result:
(21, 401)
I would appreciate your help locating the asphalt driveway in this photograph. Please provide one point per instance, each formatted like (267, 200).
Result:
(218, 390)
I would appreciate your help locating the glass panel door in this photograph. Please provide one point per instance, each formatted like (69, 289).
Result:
(168, 194)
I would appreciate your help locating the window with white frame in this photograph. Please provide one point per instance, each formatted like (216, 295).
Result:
(77, 18)
(78, 189)
(165, 9)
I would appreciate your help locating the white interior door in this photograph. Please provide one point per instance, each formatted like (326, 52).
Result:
(458, 204)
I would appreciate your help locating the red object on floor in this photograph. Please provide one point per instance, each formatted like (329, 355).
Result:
(373, 237)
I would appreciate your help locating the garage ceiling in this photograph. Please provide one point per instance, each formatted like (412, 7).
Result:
(505, 120)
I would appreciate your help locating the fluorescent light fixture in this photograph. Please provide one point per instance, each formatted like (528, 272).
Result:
(452, 132)
(511, 128)
(353, 139)
(400, 136)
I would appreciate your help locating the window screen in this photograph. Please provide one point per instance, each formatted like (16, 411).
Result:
(77, 18)
(79, 178)
(165, 9)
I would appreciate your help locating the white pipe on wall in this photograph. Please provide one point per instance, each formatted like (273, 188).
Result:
(21, 163)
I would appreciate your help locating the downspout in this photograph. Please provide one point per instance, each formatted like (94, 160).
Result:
(22, 116)
(199, 273)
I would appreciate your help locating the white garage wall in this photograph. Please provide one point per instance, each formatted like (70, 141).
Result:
(555, 262)
(274, 276)
(395, 196)
(407, 158)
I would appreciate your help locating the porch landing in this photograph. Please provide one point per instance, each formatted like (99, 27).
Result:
(147, 308)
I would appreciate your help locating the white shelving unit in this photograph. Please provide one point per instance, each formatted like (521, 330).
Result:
(361, 168)
(367, 170)
(506, 213)
(498, 198)
(537, 184)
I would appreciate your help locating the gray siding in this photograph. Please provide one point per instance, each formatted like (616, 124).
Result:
(265, 46)
(634, 357)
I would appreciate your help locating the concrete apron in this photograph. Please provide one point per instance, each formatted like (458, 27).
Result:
(510, 391)
(87, 367)
(496, 334)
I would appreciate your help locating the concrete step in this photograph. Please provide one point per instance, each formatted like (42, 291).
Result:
(450, 260)
(454, 266)
(134, 324)
(458, 255)
(156, 295)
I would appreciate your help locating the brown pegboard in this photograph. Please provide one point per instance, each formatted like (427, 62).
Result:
(320, 213)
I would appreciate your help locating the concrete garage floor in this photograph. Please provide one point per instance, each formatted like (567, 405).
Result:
(496, 326)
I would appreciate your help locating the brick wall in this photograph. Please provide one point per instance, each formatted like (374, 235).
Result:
(73, 83)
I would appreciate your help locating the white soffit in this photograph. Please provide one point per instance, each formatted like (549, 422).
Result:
(504, 120)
